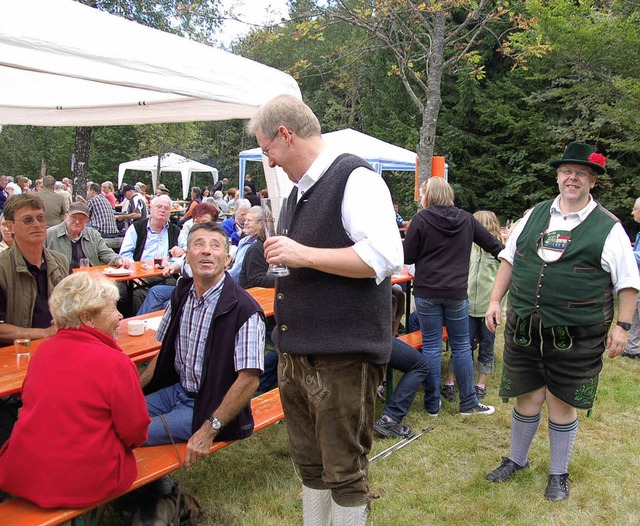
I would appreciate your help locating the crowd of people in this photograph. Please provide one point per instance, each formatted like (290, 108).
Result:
(331, 354)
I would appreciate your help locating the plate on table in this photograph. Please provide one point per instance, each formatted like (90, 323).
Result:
(117, 271)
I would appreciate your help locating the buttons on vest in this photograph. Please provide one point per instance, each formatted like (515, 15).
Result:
(284, 328)
(280, 296)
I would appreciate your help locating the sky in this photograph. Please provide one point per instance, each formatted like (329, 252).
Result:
(260, 12)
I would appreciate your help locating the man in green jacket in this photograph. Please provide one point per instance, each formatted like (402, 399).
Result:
(73, 239)
(561, 265)
(28, 271)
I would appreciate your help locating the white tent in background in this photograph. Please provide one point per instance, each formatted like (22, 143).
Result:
(379, 154)
(65, 64)
(170, 162)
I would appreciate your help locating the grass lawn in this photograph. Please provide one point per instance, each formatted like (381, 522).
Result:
(440, 478)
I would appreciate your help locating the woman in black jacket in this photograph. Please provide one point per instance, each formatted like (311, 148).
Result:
(439, 243)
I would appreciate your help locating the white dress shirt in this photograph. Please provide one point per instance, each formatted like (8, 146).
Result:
(368, 216)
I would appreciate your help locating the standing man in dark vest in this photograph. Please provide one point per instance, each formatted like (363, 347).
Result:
(561, 265)
(333, 312)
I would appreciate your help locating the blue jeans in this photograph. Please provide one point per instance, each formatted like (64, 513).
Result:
(157, 298)
(478, 332)
(176, 407)
(454, 315)
(414, 366)
(269, 378)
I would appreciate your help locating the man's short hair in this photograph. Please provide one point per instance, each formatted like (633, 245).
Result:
(128, 188)
(243, 204)
(96, 188)
(209, 227)
(16, 202)
(49, 182)
(158, 198)
(285, 110)
(217, 194)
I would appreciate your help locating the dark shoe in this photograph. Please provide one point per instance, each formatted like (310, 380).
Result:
(481, 392)
(505, 471)
(387, 427)
(480, 409)
(557, 488)
(631, 356)
(448, 392)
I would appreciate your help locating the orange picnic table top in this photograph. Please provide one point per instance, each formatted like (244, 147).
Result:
(137, 270)
(13, 370)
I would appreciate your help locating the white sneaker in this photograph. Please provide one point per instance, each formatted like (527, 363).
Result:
(480, 409)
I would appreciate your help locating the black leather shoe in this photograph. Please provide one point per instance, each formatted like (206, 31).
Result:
(505, 471)
(558, 487)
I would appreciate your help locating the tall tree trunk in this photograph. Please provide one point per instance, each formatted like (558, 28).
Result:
(431, 110)
(43, 168)
(81, 164)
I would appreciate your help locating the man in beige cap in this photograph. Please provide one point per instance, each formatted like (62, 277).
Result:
(73, 239)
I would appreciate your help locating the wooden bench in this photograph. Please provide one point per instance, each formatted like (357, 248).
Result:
(153, 462)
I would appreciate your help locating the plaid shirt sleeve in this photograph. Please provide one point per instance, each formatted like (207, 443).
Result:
(249, 351)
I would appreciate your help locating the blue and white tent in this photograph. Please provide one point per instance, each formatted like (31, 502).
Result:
(381, 155)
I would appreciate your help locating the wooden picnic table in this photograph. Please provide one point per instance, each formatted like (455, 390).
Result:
(13, 371)
(138, 270)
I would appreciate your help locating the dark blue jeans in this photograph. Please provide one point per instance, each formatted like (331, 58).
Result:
(414, 366)
(454, 315)
(478, 332)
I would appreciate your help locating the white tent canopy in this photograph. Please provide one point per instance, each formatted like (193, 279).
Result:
(170, 162)
(381, 155)
(66, 64)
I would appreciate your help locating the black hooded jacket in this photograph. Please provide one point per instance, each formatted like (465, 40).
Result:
(439, 242)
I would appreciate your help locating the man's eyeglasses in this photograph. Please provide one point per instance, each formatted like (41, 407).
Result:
(162, 207)
(30, 219)
(567, 172)
(265, 151)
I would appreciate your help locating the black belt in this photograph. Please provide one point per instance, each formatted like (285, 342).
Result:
(190, 394)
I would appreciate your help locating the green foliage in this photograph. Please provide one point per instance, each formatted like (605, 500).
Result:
(22, 148)
(195, 19)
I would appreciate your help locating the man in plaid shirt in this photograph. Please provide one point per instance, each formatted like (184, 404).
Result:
(101, 213)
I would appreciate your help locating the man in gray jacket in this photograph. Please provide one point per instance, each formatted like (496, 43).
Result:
(76, 242)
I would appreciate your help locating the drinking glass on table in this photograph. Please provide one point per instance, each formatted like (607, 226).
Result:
(22, 344)
(158, 260)
(84, 263)
(275, 225)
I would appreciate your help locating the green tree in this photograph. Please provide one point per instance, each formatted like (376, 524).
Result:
(426, 39)
(586, 51)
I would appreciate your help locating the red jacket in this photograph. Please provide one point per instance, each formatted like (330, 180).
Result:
(83, 411)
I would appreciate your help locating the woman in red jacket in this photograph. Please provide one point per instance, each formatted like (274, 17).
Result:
(83, 409)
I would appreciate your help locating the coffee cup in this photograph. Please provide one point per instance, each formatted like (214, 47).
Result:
(135, 328)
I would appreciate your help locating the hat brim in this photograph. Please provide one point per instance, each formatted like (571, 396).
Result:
(600, 170)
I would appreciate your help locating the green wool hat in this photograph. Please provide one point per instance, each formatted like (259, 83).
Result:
(579, 153)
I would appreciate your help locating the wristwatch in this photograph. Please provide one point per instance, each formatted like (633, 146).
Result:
(626, 326)
(215, 423)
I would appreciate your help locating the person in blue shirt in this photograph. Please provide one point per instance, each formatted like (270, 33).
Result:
(233, 225)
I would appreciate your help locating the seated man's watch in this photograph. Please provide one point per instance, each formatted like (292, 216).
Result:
(626, 326)
(215, 423)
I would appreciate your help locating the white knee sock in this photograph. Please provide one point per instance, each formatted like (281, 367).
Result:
(349, 516)
(316, 506)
